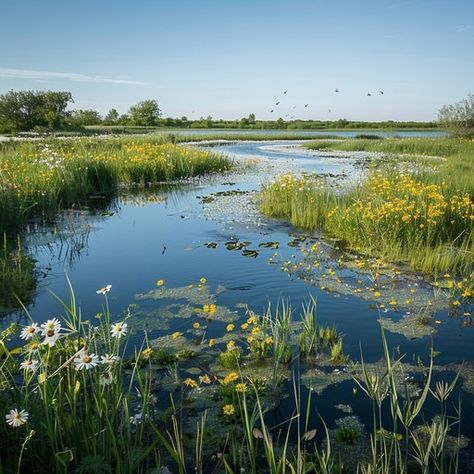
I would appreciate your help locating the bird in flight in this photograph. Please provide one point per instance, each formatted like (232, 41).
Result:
(271, 111)
(294, 106)
(381, 92)
(329, 110)
(337, 90)
(277, 103)
(285, 92)
(306, 105)
(369, 94)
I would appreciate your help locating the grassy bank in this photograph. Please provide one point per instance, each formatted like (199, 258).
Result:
(73, 399)
(38, 178)
(412, 209)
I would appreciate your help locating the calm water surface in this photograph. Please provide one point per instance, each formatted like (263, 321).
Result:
(164, 238)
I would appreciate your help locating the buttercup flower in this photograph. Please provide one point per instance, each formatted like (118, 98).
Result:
(228, 410)
(160, 282)
(190, 383)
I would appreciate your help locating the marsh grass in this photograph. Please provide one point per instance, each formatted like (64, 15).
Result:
(416, 210)
(38, 178)
(107, 419)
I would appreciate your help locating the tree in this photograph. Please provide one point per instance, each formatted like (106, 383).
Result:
(24, 110)
(145, 113)
(112, 117)
(81, 117)
(458, 117)
(251, 119)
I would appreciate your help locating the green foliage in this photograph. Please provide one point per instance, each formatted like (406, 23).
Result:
(24, 110)
(458, 117)
(81, 118)
(145, 113)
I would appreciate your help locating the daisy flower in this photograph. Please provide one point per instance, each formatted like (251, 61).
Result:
(29, 364)
(29, 331)
(16, 418)
(106, 379)
(85, 360)
(51, 327)
(109, 359)
(104, 290)
(119, 329)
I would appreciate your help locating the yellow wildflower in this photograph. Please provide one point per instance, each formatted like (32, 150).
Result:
(190, 383)
(228, 410)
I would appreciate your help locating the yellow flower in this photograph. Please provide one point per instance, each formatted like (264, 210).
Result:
(392, 302)
(456, 303)
(250, 339)
(252, 319)
(230, 327)
(211, 342)
(176, 334)
(269, 340)
(205, 379)
(256, 330)
(229, 378)
(241, 387)
(212, 308)
(244, 326)
(160, 282)
(230, 345)
(190, 383)
(202, 281)
(205, 308)
(147, 353)
(228, 410)
(377, 294)
(196, 325)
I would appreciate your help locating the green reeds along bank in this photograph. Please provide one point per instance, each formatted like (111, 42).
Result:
(78, 396)
(420, 215)
(39, 178)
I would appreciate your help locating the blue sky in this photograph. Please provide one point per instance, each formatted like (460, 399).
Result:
(231, 58)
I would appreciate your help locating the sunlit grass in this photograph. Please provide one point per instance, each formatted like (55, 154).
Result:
(74, 398)
(411, 210)
(39, 178)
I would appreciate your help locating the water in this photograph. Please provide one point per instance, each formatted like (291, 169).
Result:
(162, 236)
(309, 133)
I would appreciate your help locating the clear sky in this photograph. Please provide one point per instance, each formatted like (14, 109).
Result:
(229, 58)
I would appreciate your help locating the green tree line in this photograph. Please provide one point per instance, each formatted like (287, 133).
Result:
(24, 111)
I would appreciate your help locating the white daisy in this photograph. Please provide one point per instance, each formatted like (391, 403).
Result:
(29, 364)
(104, 290)
(109, 359)
(51, 340)
(106, 379)
(119, 329)
(51, 327)
(16, 418)
(85, 360)
(29, 331)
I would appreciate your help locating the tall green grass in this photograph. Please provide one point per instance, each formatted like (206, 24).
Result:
(107, 417)
(40, 178)
(413, 208)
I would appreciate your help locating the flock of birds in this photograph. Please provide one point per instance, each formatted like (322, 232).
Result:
(336, 90)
